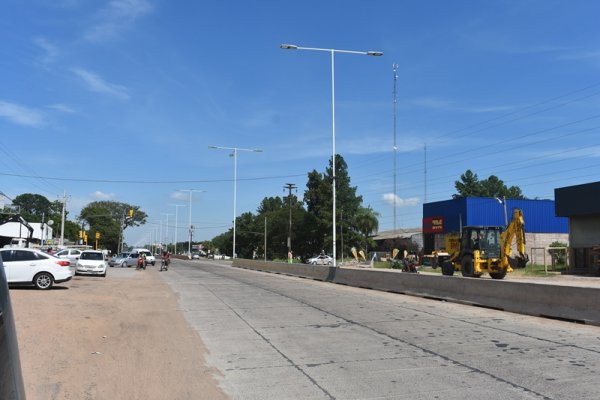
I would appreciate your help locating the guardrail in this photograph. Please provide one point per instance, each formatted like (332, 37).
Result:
(571, 303)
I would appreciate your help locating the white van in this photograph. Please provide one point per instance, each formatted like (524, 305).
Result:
(150, 259)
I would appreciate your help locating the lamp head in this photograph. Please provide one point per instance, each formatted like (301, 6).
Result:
(375, 53)
(288, 46)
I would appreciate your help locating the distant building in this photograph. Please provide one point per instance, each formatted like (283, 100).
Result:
(581, 204)
(414, 234)
(542, 226)
(16, 230)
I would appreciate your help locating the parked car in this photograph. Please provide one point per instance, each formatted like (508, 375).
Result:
(117, 259)
(25, 266)
(322, 259)
(11, 378)
(91, 262)
(125, 260)
(70, 254)
(150, 259)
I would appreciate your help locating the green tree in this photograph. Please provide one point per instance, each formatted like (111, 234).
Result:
(34, 207)
(469, 185)
(319, 202)
(108, 218)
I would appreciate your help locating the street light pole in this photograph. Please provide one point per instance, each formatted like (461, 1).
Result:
(190, 218)
(503, 202)
(167, 230)
(176, 227)
(332, 51)
(234, 154)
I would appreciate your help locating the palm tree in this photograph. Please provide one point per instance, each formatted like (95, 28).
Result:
(366, 222)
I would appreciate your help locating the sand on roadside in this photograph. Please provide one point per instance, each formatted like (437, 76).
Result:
(119, 337)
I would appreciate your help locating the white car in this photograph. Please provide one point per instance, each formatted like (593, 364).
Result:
(69, 254)
(34, 267)
(91, 262)
(322, 259)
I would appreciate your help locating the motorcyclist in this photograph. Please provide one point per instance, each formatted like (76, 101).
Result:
(141, 262)
(166, 258)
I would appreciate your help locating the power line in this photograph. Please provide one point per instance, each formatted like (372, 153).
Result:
(149, 182)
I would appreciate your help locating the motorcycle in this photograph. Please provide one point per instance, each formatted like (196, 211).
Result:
(164, 265)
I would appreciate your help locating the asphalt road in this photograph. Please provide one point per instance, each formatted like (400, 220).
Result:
(278, 337)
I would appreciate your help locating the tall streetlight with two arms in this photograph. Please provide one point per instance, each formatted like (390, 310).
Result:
(234, 155)
(332, 52)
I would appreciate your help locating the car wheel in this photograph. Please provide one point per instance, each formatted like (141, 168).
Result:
(43, 281)
(124, 264)
(103, 275)
(153, 262)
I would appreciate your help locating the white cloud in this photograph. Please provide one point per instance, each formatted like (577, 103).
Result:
(62, 108)
(50, 51)
(180, 196)
(96, 84)
(400, 202)
(21, 115)
(117, 16)
(98, 195)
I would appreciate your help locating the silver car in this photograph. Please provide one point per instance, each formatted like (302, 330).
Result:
(69, 254)
(124, 260)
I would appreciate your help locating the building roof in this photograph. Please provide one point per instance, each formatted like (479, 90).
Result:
(405, 233)
(578, 200)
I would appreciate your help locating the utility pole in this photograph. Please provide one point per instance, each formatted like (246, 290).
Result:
(121, 236)
(289, 187)
(42, 229)
(62, 219)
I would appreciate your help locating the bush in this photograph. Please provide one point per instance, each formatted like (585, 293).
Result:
(558, 255)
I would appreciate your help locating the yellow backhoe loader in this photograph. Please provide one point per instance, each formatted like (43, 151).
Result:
(488, 249)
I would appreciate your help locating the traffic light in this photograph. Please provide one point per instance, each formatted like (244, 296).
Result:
(97, 235)
(131, 213)
(80, 234)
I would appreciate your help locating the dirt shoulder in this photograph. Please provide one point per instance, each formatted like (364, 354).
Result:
(119, 337)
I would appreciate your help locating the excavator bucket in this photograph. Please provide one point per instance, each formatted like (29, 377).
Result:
(519, 261)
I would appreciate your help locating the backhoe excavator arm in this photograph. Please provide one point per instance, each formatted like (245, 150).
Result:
(515, 230)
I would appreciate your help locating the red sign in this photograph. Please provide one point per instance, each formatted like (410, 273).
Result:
(433, 225)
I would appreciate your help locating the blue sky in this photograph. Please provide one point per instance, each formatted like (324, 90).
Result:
(119, 100)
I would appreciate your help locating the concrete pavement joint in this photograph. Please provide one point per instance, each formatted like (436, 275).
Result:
(266, 340)
(441, 356)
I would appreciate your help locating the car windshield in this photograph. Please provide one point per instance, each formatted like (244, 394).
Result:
(91, 256)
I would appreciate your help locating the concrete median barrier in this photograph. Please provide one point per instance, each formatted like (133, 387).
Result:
(572, 303)
(317, 272)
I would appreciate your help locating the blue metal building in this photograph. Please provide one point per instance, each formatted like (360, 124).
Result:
(448, 216)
